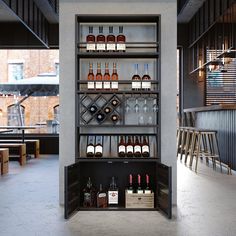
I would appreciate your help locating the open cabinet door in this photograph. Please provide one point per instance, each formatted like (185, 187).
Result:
(164, 189)
(71, 189)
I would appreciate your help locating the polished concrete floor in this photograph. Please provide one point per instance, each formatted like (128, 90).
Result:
(29, 206)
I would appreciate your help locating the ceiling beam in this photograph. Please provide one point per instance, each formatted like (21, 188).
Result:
(31, 17)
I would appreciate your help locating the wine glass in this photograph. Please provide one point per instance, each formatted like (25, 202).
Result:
(141, 120)
(136, 107)
(127, 106)
(145, 106)
(154, 107)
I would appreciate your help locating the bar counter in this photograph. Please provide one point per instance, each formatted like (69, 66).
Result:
(223, 119)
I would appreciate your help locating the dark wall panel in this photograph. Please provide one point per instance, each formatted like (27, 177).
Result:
(225, 123)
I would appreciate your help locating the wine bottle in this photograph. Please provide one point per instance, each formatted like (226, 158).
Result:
(145, 148)
(130, 189)
(114, 78)
(98, 147)
(107, 110)
(90, 40)
(115, 118)
(147, 190)
(107, 83)
(90, 77)
(121, 40)
(129, 147)
(139, 189)
(136, 79)
(98, 84)
(100, 117)
(146, 79)
(89, 193)
(101, 198)
(90, 147)
(92, 109)
(137, 147)
(101, 39)
(111, 39)
(114, 102)
(113, 193)
(121, 147)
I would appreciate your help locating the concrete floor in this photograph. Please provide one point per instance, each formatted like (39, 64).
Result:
(29, 206)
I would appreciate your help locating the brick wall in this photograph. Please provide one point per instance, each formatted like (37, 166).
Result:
(37, 109)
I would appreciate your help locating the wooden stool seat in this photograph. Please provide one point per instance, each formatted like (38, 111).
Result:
(21, 150)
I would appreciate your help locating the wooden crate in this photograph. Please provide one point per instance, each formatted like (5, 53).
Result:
(136, 200)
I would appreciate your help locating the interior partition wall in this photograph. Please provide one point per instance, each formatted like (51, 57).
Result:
(68, 81)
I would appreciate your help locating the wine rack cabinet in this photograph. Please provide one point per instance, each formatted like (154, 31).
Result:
(137, 113)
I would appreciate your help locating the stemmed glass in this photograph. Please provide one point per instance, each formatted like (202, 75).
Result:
(136, 107)
(154, 107)
(127, 106)
(145, 106)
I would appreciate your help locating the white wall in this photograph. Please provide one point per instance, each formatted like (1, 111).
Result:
(168, 11)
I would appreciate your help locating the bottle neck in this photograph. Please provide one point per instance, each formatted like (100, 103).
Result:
(136, 69)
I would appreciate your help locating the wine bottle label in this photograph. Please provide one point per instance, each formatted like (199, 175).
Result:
(137, 148)
(90, 47)
(87, 197)
(139, 191)
(101, 47)
(102, 195)
(90, 149)
(145, 148)
(121, 46)
(90, 85)
(114, 85)
(98, 85)
(111, 47)
(147, 191)
(106, 85)
(98, 149)
(130, 148)
(146, 85)
(112, 197)
(136, 85)
(129, 191)
(121, 148)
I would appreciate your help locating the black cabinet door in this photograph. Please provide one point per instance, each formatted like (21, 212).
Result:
(164, 189)
(71, 189)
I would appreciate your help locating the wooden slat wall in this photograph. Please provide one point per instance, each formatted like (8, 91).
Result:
(221, 86)
(225, 123)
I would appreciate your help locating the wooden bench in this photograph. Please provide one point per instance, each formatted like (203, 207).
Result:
(35, 149)
(4, 160)
(21, 150)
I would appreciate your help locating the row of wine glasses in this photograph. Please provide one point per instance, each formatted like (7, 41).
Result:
(143, 110)
(139, 105)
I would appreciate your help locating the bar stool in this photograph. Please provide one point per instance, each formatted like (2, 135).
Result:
(205, 144)
(183, 141)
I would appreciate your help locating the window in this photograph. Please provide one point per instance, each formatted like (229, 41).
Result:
(15, 71)
(57, 68)
(15, 115)
(56, 111)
